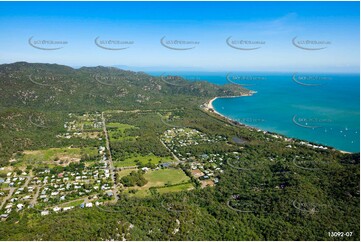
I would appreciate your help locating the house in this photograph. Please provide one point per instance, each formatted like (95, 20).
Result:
(145, 169)
(109, 193)
(56, 209)
(89, 205)
(4, 215)
(10, 205)
(20, 206)
(197, 173)
(2, 180)
(68, 208)
(45, 212)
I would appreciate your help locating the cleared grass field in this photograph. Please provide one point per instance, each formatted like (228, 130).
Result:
(73, 203)
(143, 159)
(5, 170)
(161, 178)
(117, 131)
(126, 172)
(164, 177)
(49, 156)
(177, 188)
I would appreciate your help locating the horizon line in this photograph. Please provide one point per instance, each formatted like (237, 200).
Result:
(181, 69)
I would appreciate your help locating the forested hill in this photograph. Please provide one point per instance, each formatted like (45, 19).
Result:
(62, 88)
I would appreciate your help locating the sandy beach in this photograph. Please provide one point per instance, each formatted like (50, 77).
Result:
(209, 105)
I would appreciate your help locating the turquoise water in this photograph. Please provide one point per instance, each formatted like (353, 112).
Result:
(321, 108)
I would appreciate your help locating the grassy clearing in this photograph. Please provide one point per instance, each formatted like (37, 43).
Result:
(117, 131)
(50, 154)
(161, 178)
(54, 156)
(73, 203)
(142, 159)
(126, 172)
(3, 185)
(177, 188)
(5, 170)
(164, 177)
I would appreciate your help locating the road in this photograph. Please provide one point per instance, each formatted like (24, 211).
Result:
(110, 159)
(11, 191)
(175, 157)
(28, 178)
(33, 201)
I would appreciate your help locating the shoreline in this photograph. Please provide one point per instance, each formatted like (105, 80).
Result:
(210, 108)
(209, 105)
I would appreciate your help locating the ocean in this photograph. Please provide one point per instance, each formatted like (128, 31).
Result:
(318, 107)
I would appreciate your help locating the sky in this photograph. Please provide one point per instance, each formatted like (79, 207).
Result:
(278, 30)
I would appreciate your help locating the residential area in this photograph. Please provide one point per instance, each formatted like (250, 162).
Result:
(60, 179)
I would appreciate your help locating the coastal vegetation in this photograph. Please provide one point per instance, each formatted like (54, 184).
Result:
(140, 159)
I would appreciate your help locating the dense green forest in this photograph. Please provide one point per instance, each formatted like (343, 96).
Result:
(265, 192)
